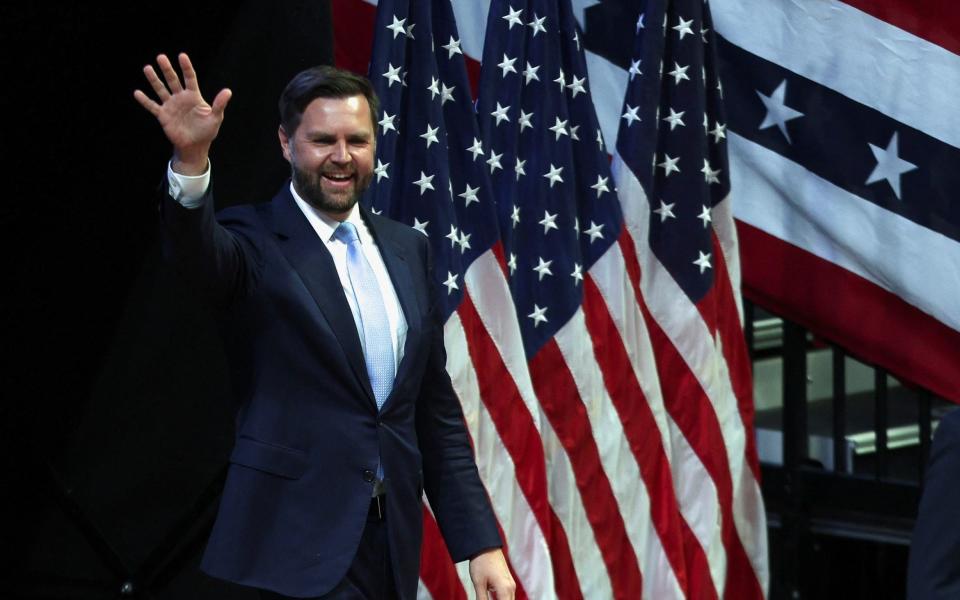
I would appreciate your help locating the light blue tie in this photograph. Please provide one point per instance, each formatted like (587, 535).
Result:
(374, 325)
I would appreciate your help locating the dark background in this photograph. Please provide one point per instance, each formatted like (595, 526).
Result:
(116, 420)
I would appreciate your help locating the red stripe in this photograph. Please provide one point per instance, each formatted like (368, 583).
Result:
(437, 572)
(561, 402)
(691, 410)
(936, 21)
(874, 324)
(353, 24)
(735, 353)
(639, 426)
(516, 429)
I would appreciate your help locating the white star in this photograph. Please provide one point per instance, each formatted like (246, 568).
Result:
(709, 175)
(397, 26)
(538, 315)
(561, 80)
(559, 128)
(554, 174)
(381, 170)
(543, 268)
(577, 273)
(409, 30)
(515, 216)
(635, 69)
(778, 113)
(600, 138)
(530, 73)
(469, 195)
(434, 87)
(386, 123)
(703, 34)
(464, 241)
(573, 132)
(601, 185)
(453, 236)
(576, 38)
(446, 93)
(576, 86)
(594, 231)
(679, 73)
(631, 115)
(640, 22)
(889, 165)
(524, 120)
(476, 149)
(430, 135)
(506, 65)
(512, 17)
(494, 161)
(537, 24)
(549, 222)
(703, 262)
(665, 211)
(674, 119)
(501, 113)
(421, 227)
(718, 132)
(452, 48)
(451, 283)
(705, 216)
(375, 211)
(669, 165)
(683, 27)
(512, 263)
(424, 182)
(518, 168)
(392, 74)
(576, 225)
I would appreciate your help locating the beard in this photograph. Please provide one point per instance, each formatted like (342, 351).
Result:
(309, 184)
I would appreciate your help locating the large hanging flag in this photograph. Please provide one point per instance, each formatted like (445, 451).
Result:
(602, 485)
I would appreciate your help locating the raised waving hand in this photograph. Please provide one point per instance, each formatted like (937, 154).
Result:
(188, 121)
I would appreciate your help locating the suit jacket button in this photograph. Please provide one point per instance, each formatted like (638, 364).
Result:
(368, 476)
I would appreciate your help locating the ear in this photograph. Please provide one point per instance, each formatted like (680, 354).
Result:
(284, 142)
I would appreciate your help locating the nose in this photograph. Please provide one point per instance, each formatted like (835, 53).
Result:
(340, 153)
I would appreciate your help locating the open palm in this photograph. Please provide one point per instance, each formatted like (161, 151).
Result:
(188, 121)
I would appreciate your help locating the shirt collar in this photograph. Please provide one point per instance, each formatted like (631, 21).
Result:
(324, 225)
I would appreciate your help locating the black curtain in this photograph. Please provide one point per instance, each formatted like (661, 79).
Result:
(117, 414)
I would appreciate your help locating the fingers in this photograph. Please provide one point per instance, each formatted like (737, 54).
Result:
(189, 74)
(169, 74)
(220, 102)
(158, 88)
(152, 107)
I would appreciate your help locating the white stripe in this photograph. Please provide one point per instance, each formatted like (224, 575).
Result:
(917, 264)
(488, 290)
(682, 323)
(694, 489)
(528, 547)
(618, 462)
(422, 592)
(726, 232)
(866, 59)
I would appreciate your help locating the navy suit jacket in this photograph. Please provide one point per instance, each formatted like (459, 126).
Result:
(308, 433)
(934, 567)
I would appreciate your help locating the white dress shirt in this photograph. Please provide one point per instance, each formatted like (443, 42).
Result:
(189, 190)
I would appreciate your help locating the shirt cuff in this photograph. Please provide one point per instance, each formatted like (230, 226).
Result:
(188, 190)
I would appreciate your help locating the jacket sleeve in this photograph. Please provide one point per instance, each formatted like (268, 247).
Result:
(219, 256)
(451, 480)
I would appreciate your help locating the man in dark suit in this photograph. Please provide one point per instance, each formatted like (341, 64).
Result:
(346, 412)
(934, 568)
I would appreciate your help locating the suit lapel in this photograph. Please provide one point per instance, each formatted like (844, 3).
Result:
(309, 257)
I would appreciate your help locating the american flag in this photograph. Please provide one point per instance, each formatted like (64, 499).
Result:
(606, 485)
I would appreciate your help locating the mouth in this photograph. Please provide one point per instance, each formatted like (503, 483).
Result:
(338, 180)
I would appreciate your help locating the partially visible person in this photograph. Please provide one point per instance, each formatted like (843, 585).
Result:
(934, 568)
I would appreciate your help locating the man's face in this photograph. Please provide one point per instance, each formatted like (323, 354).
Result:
(331, 153)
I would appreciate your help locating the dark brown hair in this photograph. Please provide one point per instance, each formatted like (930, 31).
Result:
(323, 82)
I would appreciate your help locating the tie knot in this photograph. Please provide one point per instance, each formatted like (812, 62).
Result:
(346, 232)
